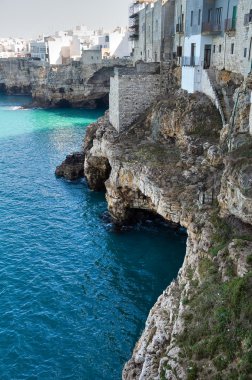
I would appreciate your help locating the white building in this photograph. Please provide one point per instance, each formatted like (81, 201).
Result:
(13, 47)
(119, 44)
(39, 50)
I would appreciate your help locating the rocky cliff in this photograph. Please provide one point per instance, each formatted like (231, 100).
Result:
(75, 84)
(174, 161)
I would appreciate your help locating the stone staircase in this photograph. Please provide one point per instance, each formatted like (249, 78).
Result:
(224, 99)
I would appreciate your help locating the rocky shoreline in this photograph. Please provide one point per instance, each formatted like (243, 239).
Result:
(175, 162)
(76, 84)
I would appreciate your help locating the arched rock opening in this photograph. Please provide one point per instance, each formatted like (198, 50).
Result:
(146, 217)
(63, 103)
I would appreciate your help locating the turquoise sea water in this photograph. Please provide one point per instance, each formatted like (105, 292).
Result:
(74, 295)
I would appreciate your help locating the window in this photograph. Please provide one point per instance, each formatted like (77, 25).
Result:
(250, 47)
(193, 50)
(245, 53)
(179, 51)
(232, 48)
(250, 15)
(156, 26)
(199, 16)
(219, 48)
(191, 18)
(219, 16)
(209, 15)
(214, 48)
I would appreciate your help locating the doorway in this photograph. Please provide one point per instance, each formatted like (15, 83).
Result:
(207, 56)
(193, 49)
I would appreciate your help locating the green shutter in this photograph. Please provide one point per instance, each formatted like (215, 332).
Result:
(234, 17)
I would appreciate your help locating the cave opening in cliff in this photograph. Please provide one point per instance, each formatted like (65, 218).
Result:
(2, 88)
(142, 218)
(103, 102)
(64, 103)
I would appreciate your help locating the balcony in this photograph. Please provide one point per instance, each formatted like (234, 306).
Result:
(179, 28)
(191, 61)
(230, 25)
(211, 28)
(134, 28)
(247, 19)
(134, 32)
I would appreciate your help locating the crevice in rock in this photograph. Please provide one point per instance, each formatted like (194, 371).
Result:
(97, 171)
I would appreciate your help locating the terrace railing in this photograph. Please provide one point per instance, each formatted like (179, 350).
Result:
(230, 24)
(211, 28)
(190, 61)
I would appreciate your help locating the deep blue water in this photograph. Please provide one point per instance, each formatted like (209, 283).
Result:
(74, 295)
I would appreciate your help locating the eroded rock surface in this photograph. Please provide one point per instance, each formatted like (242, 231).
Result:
(72, 167)
(172, 162)
(70, 85)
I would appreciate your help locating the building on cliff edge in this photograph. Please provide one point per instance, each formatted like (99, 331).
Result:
(201, 36)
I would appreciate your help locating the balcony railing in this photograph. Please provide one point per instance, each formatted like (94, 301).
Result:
(133, 37)
(247, 18)
(211, 28)
(134, 32)
(230, 25)
(190, 61)
(179, 28)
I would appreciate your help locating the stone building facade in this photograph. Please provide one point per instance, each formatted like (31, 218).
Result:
(132, 91)
(154, 27)
(147, 46)
(90, 57)
(179, 29)
(168, 30)
(232, 48)
(218, 35)
(197, 34)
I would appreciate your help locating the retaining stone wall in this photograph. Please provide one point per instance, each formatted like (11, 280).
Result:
(131, 95)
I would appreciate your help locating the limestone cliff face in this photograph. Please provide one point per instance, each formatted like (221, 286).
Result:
(174, 162)
(75, 84)
(20, 76)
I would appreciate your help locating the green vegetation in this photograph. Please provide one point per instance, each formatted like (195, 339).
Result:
(218, 326)
(224, 233)
(157, 154)
(192, 372)
(201, 130)
(162, 373)
(245, 151)
(249, 259)
(223, 230)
